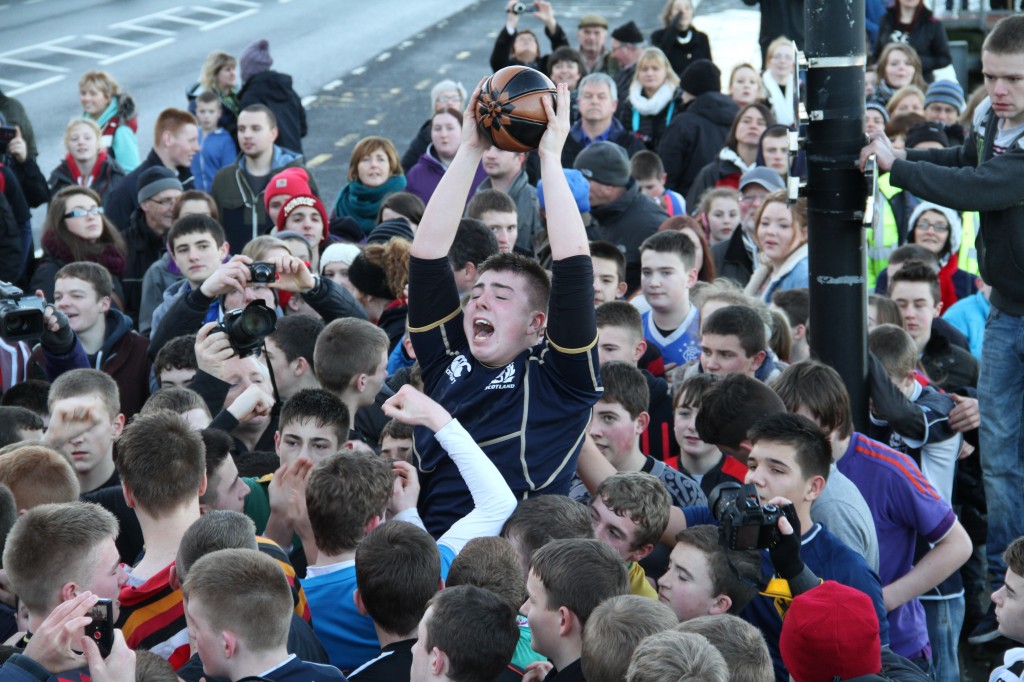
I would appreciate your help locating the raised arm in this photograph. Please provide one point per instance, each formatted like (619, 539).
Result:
(493, 501)
(436, 231)
(565, 226)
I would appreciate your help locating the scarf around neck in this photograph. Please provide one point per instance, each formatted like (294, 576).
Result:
(362, 203)
(650, 106)
(76, 173)
(110, 257)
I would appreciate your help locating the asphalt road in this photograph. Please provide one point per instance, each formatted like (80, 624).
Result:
(362, 68)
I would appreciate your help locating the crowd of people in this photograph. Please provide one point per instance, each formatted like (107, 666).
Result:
(491, 415)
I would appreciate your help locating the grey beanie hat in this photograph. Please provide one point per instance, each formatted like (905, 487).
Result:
(154, 180)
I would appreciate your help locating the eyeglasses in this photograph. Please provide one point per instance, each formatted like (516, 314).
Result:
(938, 228)
(448, 99)
(82, 212)
(165, 202)
(750, 198)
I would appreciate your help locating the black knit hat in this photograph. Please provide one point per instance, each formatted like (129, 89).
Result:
(369, 278)
(701, 76)
(926, 132)
(628, 33)
(388, 230)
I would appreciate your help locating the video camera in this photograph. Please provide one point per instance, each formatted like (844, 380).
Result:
(742, 522)
(247, 327)
(21, 316)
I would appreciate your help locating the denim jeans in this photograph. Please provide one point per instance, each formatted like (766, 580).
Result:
(1001, 401)
(945, 619)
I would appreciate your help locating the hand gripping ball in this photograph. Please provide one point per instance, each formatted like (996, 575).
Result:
(510, 112)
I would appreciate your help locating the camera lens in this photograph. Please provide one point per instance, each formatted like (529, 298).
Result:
(246, 328)
(256, 322)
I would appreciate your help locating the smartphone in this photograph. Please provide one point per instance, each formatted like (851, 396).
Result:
(101, 629)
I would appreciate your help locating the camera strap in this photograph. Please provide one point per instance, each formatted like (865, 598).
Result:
(270, 370)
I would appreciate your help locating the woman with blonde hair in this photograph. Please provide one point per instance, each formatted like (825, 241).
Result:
(780, 79)
(745, 85)
(218, 75)
(86, 163)
(907, 100)
(113, 110)
(653, 98)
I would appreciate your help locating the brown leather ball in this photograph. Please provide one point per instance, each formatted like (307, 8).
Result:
(510, 112)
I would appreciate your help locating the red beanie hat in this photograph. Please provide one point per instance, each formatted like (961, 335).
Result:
(289, 182)
(299, 200)
(831, 633)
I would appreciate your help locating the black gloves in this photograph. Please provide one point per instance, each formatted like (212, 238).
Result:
(61, 341)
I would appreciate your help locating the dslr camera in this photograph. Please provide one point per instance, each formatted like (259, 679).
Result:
(21, 316)
(262, 272)
(742, 522)
(247, 327)
(523, 7)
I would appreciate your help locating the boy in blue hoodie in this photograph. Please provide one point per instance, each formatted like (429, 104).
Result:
(216, 148)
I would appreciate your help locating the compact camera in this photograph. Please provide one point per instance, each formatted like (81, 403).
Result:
(263, 273)
(522, 8)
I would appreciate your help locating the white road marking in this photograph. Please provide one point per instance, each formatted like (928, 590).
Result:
(138, 50)
(10, 84)
(154, 15)
(210, 10)
(228, 20)
(69, 50)
(347, 139)
(359, 71)
(33, 86)
(240, 3)
(333, 85)
(31, 65)
(383, 56)
(169, 16)
(318, 160)
(128, 25)
(308, 100)
(113, 41)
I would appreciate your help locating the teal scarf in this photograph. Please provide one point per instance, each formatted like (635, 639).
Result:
(362, 203)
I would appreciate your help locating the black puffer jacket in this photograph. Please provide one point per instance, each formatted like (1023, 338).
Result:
(501, 55)
(695, 137)
(274, 90)
(682, 49)
(627, 222)
(927, 35)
